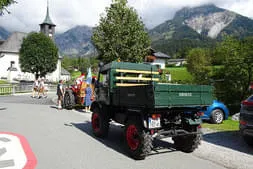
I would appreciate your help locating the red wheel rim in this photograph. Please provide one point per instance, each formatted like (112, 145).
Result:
(132, 137)
(95, 122)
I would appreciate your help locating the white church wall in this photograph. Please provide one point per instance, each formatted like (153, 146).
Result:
(65, 77)
(15, 75)
(5, 63)
(54, 76)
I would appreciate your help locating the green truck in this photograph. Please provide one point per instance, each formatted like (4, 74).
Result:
(130, 94)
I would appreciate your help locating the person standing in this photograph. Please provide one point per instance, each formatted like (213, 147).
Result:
(41, 89)
(88, 95)
(35, 87)
(60, 94)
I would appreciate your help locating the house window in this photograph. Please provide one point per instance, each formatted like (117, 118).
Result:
(12, 63)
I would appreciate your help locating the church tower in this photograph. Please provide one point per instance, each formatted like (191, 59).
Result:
(48, 27)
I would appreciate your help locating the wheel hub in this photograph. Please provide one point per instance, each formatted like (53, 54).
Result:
(219, 117)
(95, 122)
(132, 137)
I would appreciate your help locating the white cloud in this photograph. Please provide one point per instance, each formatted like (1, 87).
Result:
(243, 7)
(28, 14)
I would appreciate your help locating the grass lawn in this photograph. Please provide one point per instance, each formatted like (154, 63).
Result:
(179, 73)
(227, 125)
(3, 82)
(75, 74)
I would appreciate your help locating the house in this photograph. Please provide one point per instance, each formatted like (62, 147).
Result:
(9, 56)
(158, 58)
(176, 62)
(65, 75)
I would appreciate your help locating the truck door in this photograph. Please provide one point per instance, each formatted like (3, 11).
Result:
(102, 90)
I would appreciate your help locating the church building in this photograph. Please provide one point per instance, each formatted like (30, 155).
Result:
(9, 56)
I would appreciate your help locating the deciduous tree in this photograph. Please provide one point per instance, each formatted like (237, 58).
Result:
(237, 70)
(121, 34)
(38, 54)
(198, 64)
(4, 4)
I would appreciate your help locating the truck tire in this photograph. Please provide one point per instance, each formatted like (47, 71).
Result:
(248, 139)
(69, 100)
(100, 123)
(138, 142)
(217, 116)
(187, 143)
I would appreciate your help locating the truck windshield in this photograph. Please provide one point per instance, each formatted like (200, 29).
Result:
(104, 78)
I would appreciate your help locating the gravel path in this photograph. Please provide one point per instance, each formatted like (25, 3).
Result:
(225, 148)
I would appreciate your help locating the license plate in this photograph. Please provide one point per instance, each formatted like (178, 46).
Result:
(154, 123)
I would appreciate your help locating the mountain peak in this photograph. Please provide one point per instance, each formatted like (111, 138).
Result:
(206, 19)
(76, 41)
(187, 12)
(198, 26)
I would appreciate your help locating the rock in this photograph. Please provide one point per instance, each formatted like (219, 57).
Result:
(235, 117)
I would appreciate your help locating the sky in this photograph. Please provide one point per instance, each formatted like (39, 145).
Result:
(26, 15)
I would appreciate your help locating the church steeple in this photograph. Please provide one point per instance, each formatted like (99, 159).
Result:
(48, 20)
(48, 27)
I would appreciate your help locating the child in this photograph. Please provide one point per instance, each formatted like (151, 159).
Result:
(41, 88)
(35, 87)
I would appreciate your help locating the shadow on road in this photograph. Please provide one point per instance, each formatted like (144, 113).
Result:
(229, 139)
(54, 107)
(115, 139)
(161, 146)
(80, 110)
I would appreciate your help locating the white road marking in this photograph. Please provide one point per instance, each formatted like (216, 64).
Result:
(12, 155)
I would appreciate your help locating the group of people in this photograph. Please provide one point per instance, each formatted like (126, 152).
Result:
(84, 90)
(39, 89)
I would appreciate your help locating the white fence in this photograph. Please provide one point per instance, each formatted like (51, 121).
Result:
(10, 89)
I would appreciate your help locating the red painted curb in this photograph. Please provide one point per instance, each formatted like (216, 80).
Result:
(30, 157)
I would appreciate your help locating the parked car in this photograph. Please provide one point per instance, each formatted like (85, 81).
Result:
(246, 120)
(216, 113)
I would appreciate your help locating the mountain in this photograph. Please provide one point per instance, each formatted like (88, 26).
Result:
(194, 27)
(201, 26)
(4, 34)
(75, 42)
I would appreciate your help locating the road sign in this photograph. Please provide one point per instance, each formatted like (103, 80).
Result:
(15, 152)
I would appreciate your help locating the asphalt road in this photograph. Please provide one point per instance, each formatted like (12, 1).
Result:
(62, 139)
